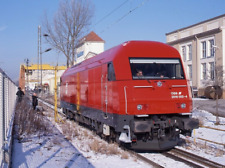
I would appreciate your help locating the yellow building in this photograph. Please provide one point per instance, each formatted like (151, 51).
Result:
(35, 76)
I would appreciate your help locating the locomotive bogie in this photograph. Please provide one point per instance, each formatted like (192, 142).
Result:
(133, 93)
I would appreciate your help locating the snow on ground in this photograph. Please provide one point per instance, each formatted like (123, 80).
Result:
(46, 150)
(210, 150)
(71, 145)
(199, 147)
(98, 151)
(43, 152)
(76, 147)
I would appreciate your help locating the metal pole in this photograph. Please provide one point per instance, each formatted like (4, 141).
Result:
(41, 57)
(56, 111)
(38, 51)
(27, 63)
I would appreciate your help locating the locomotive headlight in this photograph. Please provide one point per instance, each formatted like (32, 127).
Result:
(183, 105)
(139, 107)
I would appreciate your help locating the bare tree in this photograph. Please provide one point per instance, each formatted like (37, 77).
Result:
(218, 84)
(214, 86)
(68, 26)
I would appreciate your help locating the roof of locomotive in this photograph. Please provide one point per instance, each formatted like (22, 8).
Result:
(124, 51)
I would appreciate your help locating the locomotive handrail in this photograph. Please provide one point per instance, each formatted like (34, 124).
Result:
(143, 86)
(176, 86)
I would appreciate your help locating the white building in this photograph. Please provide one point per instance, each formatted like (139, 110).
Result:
(202, 47)
(89, 46)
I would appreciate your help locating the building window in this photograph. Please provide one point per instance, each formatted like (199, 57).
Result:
(204, 49)
(190, 52)
(212, 70)
(204, 71)
(190, 72)
(80, 54)
(184, 53)
(211, 48)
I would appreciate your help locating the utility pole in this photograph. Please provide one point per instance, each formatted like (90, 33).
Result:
(27, 64)
(57, 116)
(38, 54)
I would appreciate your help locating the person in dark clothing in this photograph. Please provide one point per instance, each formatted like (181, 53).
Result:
(34, 101)
(19, 94)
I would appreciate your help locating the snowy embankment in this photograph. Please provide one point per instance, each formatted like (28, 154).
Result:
(63, 144)
(67, 144)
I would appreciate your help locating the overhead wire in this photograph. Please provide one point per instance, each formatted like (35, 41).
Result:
(110, 13)
(125, 15)
(121, 18)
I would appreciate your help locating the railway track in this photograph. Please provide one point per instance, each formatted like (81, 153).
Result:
(181, 156)
(179, 159)
(192, 159)
(176, 154)
(145, 159)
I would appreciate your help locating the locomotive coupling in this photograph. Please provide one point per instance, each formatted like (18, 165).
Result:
(125, 135)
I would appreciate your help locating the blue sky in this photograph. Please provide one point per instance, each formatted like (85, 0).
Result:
(19, 20)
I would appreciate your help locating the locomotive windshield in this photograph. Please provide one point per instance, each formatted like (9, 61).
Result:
(156, 68)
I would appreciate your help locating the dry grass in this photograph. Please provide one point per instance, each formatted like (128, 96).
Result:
(95, 146)
(201, 121)
(69, 130)
(113, 149)
(72, 130)
(124, 155)
(219, 153)
(28, 121)
(85, 133)
(105, 148)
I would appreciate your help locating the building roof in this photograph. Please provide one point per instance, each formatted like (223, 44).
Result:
(91, 37)
(217, 17)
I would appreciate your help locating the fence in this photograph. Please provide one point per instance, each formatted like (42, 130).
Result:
(7, 106)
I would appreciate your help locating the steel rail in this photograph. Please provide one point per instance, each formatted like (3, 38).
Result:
(179, 159)
(196, 158)
(211, 141)
(218, 129)
(139, 156)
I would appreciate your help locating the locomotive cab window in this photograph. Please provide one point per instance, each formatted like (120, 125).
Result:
(111, 72)
(156, 68)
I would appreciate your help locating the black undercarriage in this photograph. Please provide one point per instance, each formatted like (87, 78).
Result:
(148, 132)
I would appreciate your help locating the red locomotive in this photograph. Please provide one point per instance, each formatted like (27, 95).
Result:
(135, 93)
